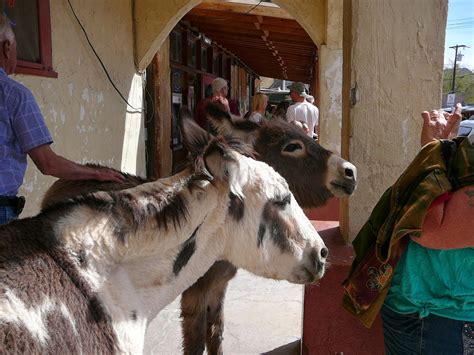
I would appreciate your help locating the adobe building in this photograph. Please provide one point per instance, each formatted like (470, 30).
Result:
(109, 75)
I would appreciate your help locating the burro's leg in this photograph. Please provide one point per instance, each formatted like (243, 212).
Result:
(202, 310)
(215, 309)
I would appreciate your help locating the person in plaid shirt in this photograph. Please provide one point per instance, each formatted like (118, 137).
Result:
(23, 132)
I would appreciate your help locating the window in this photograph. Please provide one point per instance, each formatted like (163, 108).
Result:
(32, 27)
(203, 58)
(225, 67)
(176, 47)
(215, 61)
(192, 53)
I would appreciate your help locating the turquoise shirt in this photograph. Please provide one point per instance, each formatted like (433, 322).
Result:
(428, 281)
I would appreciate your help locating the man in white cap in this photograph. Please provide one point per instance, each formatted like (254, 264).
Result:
(303, 111)
(219, 92)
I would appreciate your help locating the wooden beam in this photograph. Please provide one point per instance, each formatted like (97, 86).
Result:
(268, 57)
(218, 23)
(264, 9)
(252, 32)
(209, 30)
(283, 52)
(243, 18)
(219, 38)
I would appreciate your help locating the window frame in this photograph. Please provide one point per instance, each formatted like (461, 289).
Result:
(45, 68)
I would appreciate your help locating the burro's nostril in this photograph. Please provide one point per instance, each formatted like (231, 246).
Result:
(324, 253)
(349, 172)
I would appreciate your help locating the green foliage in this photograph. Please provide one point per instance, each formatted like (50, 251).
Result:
(464, 85)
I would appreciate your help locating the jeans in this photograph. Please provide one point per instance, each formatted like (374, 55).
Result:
(7, 214)
(407, 334)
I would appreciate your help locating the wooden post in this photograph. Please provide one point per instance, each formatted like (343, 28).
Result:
(160, 153)
(346, 108)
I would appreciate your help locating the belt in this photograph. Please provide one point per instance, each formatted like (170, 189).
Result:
(17, 203)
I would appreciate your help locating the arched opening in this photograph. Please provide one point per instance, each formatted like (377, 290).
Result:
(249, 40)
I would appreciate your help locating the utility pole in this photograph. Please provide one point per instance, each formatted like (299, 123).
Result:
(455, 61)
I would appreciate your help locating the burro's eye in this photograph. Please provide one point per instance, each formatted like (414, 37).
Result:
(294, 148)
(283, 201)
(291, 147)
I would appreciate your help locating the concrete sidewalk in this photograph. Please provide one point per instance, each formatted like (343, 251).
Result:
(260, 316)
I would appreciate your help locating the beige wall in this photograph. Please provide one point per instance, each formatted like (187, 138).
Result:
(85, 115)
(397, 60)
(153, 24)
(330, 80)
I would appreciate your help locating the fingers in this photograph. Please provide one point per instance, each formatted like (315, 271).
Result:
(454, 120)
(457, 110)
(110, 175)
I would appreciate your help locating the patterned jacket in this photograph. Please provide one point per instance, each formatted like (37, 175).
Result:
(441, 166)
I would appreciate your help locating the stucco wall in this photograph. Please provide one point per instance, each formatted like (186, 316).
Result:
(153, 24)
(397, 60)
(330, 109)
(82, 110)
(330, 81)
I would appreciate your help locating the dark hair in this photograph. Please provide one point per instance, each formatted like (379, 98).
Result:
(281, 109)
(283, 105)
(208, 90)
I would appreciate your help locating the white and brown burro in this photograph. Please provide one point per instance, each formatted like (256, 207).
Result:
(87, 275)
(313, 174)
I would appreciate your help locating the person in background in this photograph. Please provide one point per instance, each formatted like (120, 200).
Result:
(259, 104)
(302, 110)
(270, 111)
(220, 90)
(233, 104)
(200, 115)
(310, 99)
(23, 132)
(281, 108)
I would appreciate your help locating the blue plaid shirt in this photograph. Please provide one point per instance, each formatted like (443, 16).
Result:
(22, 128)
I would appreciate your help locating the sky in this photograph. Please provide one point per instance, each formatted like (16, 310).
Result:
(460, 30)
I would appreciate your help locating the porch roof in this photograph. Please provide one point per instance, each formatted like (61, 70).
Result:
(275, 47)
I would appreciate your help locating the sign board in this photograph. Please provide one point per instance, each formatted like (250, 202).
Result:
(450, 100)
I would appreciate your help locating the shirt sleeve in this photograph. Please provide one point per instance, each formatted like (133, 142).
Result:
(27, 121)
(316, 123)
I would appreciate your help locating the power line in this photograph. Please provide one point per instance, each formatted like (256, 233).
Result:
(101, 63)
(253, 7)
(459, 77)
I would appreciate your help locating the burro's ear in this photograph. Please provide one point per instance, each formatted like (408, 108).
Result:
(225, 164)
(219, 119)
(231, 126)
(195, 138)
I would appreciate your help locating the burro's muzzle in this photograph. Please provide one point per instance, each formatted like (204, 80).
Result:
(342, 177)
(313, 265)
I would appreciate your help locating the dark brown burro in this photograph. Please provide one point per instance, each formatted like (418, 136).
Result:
(39, 278)
(313, 173)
